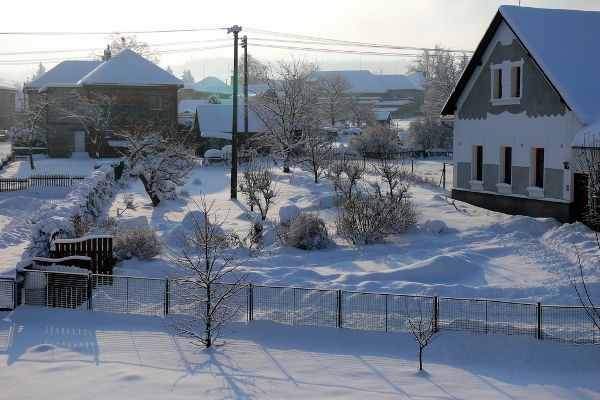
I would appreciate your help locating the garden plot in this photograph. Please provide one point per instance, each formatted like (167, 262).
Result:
(456, 250)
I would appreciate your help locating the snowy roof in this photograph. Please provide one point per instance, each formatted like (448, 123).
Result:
(392, 103)
(189, 105)
(416, 77)
(215, 119)
(363, 81)
(397, 82)
(563, 43)
(128, 68)
(6, 85)
(66, 72)
(383, 115)
(212, 85)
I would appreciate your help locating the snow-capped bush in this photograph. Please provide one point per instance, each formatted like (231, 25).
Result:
(288, 212)
(306, 231)
(136, 240)
(370, 219)
(82, 205)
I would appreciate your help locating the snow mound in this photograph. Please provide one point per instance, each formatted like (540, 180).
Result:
(288, 212)
(325, 202)
(130, 222)
(534, 227)
(213, 153)
(575, 241)
(438, 197)
(191, 221)
(434, 227)
(456, 268)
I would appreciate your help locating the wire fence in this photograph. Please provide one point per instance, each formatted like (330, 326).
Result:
(56, 180)
(299, 306)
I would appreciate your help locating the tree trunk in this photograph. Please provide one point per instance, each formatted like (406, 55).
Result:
(420, 358)
(148, 187)
(31, 158)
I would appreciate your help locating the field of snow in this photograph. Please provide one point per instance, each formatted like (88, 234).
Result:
(65, 354)
(461, 251)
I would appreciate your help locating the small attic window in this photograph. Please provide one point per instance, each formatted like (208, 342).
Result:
(156, 102)
(506, 82)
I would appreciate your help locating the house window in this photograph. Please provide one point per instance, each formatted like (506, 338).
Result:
(538, 167)
(506, 165)
(478, 163)
(156, 102)
(497, 83)
(506, 82)
(515, 81)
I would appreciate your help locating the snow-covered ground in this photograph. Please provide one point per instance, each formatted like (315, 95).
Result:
(65, 354)
(477, 253)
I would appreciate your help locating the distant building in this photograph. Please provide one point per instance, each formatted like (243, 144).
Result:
(525, 107)
(204, 89)
(8, 104)
(400, 95)
(142, 92)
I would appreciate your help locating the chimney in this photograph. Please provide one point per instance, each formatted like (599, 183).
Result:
(107, 54)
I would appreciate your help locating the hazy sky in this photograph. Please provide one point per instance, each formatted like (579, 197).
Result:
(457, 24)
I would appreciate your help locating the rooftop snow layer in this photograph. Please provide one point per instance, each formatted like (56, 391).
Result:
(363, 81)
(6, 85)
(215, 119)
(66, 72)
(565, 44)
(212, 85)
(128, 68)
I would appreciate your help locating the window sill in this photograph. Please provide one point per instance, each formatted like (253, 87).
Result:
(535, 192)
(506, 101)
(504, 188)
(476, 186)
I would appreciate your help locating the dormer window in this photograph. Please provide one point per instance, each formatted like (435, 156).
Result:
(506, 82)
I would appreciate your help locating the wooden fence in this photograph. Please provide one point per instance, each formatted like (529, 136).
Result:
(98, 248)
(11, 184)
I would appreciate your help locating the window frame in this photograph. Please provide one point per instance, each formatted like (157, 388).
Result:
(477, 170)
(504, 73)
(505, 168)
(160, 100)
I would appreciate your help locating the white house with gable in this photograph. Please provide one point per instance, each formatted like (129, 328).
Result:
(528, 96)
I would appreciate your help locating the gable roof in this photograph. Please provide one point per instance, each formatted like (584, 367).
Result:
(397, 82)
(128, 68)
(564, 45)
(212, 85)
(8, 86)
(361, 81)
(214, 120)
(65, 72)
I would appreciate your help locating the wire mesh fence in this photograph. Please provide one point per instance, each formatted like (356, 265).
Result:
(7, 293)
(300, 306)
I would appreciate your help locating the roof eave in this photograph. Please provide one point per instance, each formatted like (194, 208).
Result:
(450, 105)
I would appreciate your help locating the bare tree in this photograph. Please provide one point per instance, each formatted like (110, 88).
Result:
(580, 283)
(31, 129)
(287, 109)
(208, 256)
(120, 42)
(346, 177)
(334, 95)
(393, 177)
(317, 152)
(93, 113)
(256, 71)
(378, 141)
(361, 111)
(258, 185)
(161, 158)
(429, 133)
(587, 160)
(420, 318)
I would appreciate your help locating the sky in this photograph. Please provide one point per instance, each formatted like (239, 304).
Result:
(457, 24)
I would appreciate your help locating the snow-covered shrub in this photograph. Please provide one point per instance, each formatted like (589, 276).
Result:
(306, 231)
(197, 181)
(288, 212)
(255, 240)
(136, 240)
(370, 219)
(82, 205)
(377, 141)
(259, 187)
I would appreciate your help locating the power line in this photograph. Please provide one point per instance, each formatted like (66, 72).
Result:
(111, 32)
(347, 42)
(337, 51)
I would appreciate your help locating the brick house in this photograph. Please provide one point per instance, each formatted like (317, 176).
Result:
(7, 104)
(140, 90)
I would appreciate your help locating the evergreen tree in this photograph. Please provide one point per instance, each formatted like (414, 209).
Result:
(169, 70)
(187, 76)
(41, 71)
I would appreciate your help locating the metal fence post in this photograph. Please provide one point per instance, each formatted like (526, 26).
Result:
(486, 316)
(339, 308)
(435, 313)
(89, 292)
(295, 307)
(386, 312)
(444, 175)
(250, 303)
(412, 166)
(166, 296)
(15, 289)
(539, 318)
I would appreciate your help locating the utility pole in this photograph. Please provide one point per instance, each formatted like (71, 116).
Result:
(234, 139)
(245, 47)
